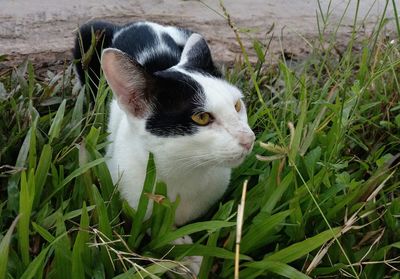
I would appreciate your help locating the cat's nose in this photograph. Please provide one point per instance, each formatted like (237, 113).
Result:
(248, 141)
(247, 145)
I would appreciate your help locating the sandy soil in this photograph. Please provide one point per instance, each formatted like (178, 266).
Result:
(43, 30)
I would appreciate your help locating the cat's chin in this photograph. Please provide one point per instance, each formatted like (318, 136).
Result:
(233, 163)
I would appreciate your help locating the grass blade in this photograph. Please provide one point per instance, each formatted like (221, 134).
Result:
(79, 171)
(299, 249)
(26, 200)
(55, 127)
(203, 250)
(4, 249)
(102, 215)
(36, 264)
(12, 187)
(148, 187)
(42, 172)
(39, 261)
(189, 229)
(62, 252)
(277, 268)
(222, 214)
(151, 271)
(105, 229)
(43, 232)
(277, 193)
(80, 252)
(298, 132)
(77, 113)
(261, 229)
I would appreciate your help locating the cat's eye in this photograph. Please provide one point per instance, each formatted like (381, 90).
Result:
(202, 118)
(238, 105)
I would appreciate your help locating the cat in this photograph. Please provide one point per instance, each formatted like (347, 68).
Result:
(170, 100)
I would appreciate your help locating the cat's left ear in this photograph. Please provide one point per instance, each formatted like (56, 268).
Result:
(197, 54)
(128, 81)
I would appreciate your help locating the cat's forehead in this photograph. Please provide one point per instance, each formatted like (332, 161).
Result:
(218, 92)
(192, 84)
(179, 86)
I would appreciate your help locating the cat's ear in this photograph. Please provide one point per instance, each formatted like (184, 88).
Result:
(128, 80)
(196, 53)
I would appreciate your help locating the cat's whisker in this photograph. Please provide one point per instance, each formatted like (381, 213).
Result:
(190, 157)
(189, 166)
(198, 164)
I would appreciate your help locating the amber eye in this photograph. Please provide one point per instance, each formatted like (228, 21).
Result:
(238, 105)
(202, 118)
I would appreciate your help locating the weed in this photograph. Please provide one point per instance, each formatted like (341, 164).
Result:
(323, 183)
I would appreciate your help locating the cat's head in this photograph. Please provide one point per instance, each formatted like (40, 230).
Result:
(188, 116)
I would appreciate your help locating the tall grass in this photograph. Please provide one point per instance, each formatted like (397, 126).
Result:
(323, 181)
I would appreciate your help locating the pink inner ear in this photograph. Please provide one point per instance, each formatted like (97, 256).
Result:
(126, 80)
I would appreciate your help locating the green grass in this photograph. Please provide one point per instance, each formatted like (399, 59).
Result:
(323, 192)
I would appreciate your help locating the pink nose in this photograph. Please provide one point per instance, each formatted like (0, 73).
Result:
(246, 140)
(247, 145)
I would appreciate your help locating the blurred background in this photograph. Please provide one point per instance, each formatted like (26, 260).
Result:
(44, 30)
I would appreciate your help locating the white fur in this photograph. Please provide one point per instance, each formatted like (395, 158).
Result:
(178, 36)
(196, 167)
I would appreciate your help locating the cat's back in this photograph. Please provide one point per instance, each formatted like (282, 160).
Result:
(154, 46)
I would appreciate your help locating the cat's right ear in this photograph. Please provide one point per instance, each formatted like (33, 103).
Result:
(196, 54)
(128, 80)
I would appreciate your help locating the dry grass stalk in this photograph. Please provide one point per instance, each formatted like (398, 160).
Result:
(348, 225)
(239, 225)
(128, 258)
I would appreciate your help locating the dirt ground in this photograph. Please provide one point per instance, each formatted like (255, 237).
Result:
(43, 30)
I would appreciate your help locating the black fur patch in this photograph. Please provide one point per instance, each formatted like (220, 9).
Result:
(210, 71)
(138, 38)
(85, 32)
(171, 43)
(135, 38)
(200, 59)
(161, 61)
(176, 98)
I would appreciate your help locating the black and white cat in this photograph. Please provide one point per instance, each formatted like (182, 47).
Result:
(169, 100)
